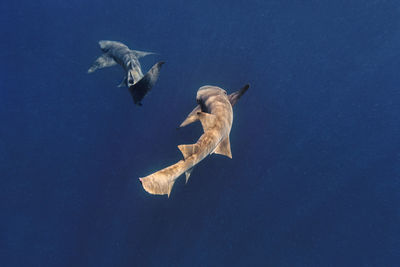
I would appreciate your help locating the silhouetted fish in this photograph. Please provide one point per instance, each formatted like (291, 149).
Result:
(116, 52)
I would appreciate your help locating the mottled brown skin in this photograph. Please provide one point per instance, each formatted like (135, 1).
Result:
(216, 115)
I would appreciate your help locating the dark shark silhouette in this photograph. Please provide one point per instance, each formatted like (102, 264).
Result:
(118, 53)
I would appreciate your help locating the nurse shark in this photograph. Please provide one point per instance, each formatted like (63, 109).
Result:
(214, 110)
(118, 53)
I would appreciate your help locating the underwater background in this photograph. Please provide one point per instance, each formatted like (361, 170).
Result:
(315, 174)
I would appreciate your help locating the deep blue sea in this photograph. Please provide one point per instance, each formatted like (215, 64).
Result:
(315, 174)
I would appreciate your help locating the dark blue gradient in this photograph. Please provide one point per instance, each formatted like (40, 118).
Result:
(315, 174)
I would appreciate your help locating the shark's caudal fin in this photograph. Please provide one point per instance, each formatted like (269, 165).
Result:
(143, 86)
(234, 97)
(161, 182)
(157, 184)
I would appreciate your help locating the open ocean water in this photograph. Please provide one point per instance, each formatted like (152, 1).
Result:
(315, 174)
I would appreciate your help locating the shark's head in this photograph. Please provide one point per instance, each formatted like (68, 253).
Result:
(106, 45)
(208, 91)
(211, 93)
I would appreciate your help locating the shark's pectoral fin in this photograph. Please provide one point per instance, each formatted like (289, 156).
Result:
(188, 150)
(123, 83)
(102, 62)
(188, 173)
(207, 120)
(224, 148)
(192, 117)
(234, 97)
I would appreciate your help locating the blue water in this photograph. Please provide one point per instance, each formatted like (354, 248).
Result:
(315, 174)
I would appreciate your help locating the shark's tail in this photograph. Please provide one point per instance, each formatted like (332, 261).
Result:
(144, 85)
(161, 182)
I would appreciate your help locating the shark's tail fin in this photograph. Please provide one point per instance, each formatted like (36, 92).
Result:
(234, 97)
(161, 182)
(144, 85)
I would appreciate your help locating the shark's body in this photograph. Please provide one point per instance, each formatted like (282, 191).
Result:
(118, 53)
(215, 113)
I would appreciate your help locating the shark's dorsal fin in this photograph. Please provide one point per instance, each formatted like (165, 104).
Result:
(188, 150)
(224, 148)
(234, 97)
(102, 62)
(192, 117)
(207, 120)
(139, 54)
(188, 173)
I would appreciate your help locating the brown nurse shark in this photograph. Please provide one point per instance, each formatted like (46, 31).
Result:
(215, 113)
